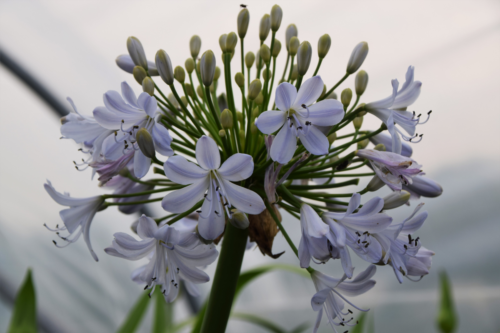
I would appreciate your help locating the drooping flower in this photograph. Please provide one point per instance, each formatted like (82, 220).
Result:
(393, 169)
(330, 296)
(172, 257)
(297, 116)
(129, 116)
(354, 229)
(210, 175)
(77, 218)
(313, 243)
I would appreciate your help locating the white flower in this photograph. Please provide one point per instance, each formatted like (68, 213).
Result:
(172, 257)
(77, 218)
(393, 169)
(126, 117)
(329, 296)
(295, 119)
(211, 176)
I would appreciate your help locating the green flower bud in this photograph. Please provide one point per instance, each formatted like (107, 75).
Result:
(396, 199)
(207, 68)
(242, 138)
(362, 144)
(276, 17)
(346, 96)
(265, 53)
(239, 115)
(217, 73)
(184, 101)
(222, 133)
(164, 66)
(189, 64)
(139, 74)
(323, 92)
(198, 66)
(212, 88)
(179, 74)
(333, 95)
(189, 90)
(148, 86)
(145, 142)
(254, 89)
(242, 22)
(226, 119)
(361, 82)
(222, 42)
(266, 74)
(295, 73)
(276, 48)
(231, 42)
(375, 184)
(357, 122)
(195, 46)
(249, 59)
(240, 80)
(258, 63)
(324, 44)
(265, 26)
(199, 91)
(331, 138)
(239, 219)
(293, 45)
(291, 31)
(255, 112)
(304, 55)
(358, 55)
(380, 147)
(173, 100)
(260, 99)
(136, 52)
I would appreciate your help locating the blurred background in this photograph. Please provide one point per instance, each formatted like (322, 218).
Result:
(71, 46)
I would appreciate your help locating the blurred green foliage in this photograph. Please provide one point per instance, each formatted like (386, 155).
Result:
(447, 319)
(24, 314)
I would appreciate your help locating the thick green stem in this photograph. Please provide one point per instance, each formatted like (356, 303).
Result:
(225, 280)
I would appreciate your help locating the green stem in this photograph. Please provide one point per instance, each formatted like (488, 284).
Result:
(299, 82)
(334, 87)
(291, 70)
(225, 280)
(132, 202)
(131, 195)
(317, 67)
(186, 111)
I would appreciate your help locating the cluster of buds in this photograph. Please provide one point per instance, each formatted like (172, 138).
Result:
(219, 166)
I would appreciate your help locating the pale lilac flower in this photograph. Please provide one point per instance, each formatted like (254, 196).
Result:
(423, 186)
(172, 258)
(126, 63)
(107, 169)
(386, 140)
(129, 116)
(313, 243)
(297, 116)
(330, 296)
(124, 185)
(210, 175)
(393, 169)
(77, 218)
(354, 229)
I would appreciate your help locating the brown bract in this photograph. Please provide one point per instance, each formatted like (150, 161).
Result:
(262, 231)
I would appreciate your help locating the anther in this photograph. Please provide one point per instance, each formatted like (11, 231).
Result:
(146, 287)
(54, 242)
(349, 310)
(409, 239)
(153, 279)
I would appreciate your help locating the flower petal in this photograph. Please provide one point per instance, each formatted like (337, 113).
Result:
(115, 103)
(237, 167)
(304, 254)
(311, 222)
(181, 200)
(284, 145)
(147, 227)
(212, 221)
(243, 199)
(207, 153)
(129, 94)
(319, 299)
(148, 104)
(408, 96)
(386, 102)
(179, 170)
(141, 164)
(162, 140)
(309, 92)
(314, 141)
(286, 94)
(372, 206)
(325, 113)
(270, 121)
(131, 248)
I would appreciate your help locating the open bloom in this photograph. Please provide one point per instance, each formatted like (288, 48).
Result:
(77, 218)
(171, 257)
(393, 169)
(329, 296)
(211, 176)
(354, 229)
(126, 117)
(296, 116)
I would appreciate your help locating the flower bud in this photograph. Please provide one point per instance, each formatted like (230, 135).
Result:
(164, 66)
(361, 82)
(136, 52)
(324, 44)
(189, 90)
(148, 86)
(198, 66)
(199, 91)
(345, 97)
(240, 80)
(255, 112)
(226, 119)
(222, 42)
(145, 142)
(375, 184)
(231, 42)
(331, 138)
(249, 59)
(332, 95)
(184, 101)
(242, 22)
(217, 73)
(212, 88)
(276, 48)
(260, 99)
(362, 144)
(291, 31)
(304, 55)
(195, 46)
(295, 73)
(265, 26)
(254, 89)
(179, 74)
(396, 199)
(139, 74)
(239, 219)
(293, 45)
(258, 63)
(276, 17)
(323, 92)
(357, 122)
(265, 53)
(380, 147)
(222, 133)
(425, 187)
(239, 115)
(207, 68)
(266, 74)
(358, 55)
(189, 64)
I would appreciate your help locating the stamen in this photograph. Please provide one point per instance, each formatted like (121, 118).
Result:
(308, 112)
